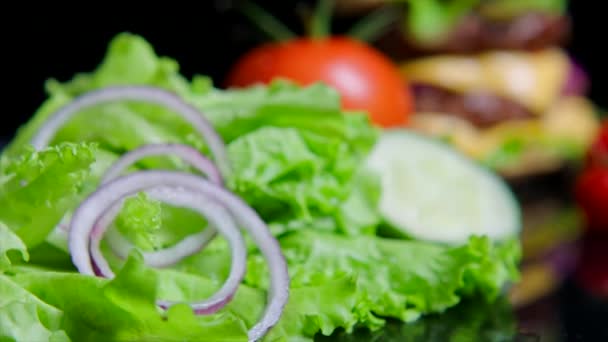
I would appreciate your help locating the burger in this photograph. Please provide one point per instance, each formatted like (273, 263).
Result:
(494, 79)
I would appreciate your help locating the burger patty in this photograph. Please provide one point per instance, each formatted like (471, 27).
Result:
(529, 31)
(481, 109)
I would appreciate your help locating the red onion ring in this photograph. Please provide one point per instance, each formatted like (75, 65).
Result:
(238, 249)
(93, 216)
(85, 218)
(164, 257)
(136, 93)
(215, 213)
(189, 154)
(188, 246)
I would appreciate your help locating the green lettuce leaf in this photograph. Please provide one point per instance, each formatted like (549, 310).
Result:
(378, 277)
(359, 213)
(324, 307)
(403, 279)
(472, 320)
(511, 8)
(124, 309)
(23, 317)
(315, 108)
(10, 242)
(151, 225)
(510, 153)
(293, 149)
(38, 187)
(294, 174)
(139, 219)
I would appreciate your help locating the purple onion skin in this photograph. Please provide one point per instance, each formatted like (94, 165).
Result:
(206, 311)
(577, 81)
(96, 269)
(214, 308)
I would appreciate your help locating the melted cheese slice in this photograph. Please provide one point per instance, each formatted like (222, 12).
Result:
(570, 119)
(532, 79)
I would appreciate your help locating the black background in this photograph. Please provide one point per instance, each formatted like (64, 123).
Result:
(41, 43)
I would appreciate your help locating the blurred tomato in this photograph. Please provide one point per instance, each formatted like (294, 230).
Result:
(598, 153)
(591, 188)
(592, 197)
(365, 78)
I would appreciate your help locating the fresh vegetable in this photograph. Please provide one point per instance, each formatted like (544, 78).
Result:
(472, 320)
(295, 184)
(10, 242)
(366, 79)
(591, 188)
(141, 226)
(24, 317)
(598, 152)
(405, 284)
(421, 177)
(592, 196)
(92, 218)
(209, 200)
(429, 21)
(147, 94)
(136, 208)
(38, 187)
(508, 8)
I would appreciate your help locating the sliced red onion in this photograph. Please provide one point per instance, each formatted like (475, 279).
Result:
(238, 251)
(190, 155)
(135, 93)
(102, 268)
(163, 257)
(85, 217)
(191, 244)
(213, 212)
(160, 258)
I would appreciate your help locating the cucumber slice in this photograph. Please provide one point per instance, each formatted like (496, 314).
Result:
(432, 192)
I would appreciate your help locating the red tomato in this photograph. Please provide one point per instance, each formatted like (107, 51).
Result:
(365, 78)
(592, 196)
(598, 153)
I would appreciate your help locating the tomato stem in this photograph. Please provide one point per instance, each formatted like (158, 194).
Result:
(266, 22)
(374, 24)
(321, 20)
